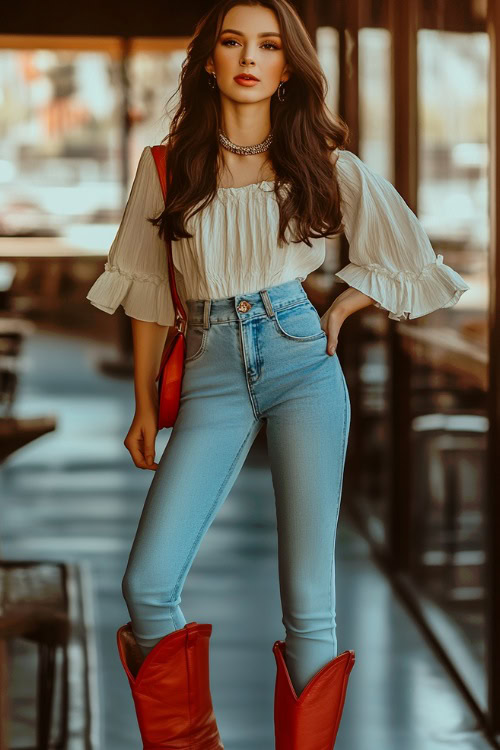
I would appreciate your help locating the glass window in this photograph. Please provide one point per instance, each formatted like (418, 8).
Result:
(376, 149)
(453, 158)
(59, 151)
(63, 125)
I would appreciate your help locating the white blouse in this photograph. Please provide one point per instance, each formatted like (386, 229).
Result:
(234, 249)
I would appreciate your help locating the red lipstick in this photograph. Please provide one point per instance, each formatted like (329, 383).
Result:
(246, 79)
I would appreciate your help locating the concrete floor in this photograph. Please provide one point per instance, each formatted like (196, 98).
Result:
(75, 495)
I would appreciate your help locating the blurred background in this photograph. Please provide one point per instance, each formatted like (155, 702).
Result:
(82, 91)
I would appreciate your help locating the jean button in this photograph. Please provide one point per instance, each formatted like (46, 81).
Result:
(244, 306)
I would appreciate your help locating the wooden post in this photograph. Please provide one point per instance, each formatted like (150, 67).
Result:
(4, 701)
(123, 366)
(350, 334)
(403, 20)
(492, 510)
(309, 13)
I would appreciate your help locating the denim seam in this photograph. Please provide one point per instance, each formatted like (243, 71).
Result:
(258, 355)
(286, 306)
(339, 491)
(202, 347)
(344, 443)
(282, 331)
(251, 394)
(291, 303)
(213, 506)
(253, 399)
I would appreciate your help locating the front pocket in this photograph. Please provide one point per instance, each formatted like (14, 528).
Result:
(300, 322)
(196, 339)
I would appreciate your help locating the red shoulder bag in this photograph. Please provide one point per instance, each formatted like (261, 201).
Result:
(171, 370)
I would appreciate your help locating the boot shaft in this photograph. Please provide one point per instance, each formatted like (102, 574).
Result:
(311, 720)
(171, 689)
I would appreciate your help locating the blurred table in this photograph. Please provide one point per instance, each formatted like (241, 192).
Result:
(447, 349)
(16, 433)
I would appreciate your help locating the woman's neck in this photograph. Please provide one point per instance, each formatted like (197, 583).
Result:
(237, 170)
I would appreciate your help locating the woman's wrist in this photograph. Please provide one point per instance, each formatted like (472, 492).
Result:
(338, 311)
(349, 301)
(146, 396)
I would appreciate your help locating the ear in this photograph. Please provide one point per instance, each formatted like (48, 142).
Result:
(209, 65)
(286, 73)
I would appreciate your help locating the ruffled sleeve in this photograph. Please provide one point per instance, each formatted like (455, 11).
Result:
(136, 271)
(391, 257)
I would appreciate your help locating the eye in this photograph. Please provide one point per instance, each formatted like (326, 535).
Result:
(272, 45)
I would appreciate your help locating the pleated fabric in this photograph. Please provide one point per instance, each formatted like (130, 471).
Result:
(391, 257)
(234, 249)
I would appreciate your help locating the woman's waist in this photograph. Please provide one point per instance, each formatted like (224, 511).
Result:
(246, 304)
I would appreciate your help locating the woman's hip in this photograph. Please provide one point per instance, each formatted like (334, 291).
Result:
(270, 341)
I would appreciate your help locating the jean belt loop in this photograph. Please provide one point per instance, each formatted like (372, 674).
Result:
(267, 302)
(207, 304)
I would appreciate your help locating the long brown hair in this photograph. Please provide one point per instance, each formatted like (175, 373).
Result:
(305, 134)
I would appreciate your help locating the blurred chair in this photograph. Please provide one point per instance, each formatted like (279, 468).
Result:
(7, 276)
(41, 602)
(35, 605)
(449, 504)
(47, 603)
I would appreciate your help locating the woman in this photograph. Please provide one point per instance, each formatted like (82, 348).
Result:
(258, 176)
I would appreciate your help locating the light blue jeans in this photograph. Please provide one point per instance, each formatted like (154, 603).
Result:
(252, 357)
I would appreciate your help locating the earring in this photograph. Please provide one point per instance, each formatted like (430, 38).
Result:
(212, 80)
(281, 91)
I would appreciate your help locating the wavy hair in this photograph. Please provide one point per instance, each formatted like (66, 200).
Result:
(305, 134)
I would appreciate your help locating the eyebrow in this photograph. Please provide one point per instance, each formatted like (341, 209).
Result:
(239, 33)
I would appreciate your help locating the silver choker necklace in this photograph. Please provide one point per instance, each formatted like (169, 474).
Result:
(245, 150)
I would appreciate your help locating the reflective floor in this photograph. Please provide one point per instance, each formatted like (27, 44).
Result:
(75, 495)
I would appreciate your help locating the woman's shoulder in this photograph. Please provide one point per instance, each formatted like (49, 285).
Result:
(146, 160)
(355, 175)
(347, 160)
(145, 165)
(146, 183)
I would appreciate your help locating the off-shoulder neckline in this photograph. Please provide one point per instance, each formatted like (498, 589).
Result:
(254, 185)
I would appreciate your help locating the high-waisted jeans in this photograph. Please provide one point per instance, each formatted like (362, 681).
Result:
(251, 357)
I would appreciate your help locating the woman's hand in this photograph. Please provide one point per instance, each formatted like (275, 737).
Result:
(331, 323)
(345, 304)
(149, 340)
(140, 440)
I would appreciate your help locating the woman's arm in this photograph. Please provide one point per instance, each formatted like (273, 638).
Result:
(392, 263)
(136, 277)
(391, 259)
(348, 302)
(148, 342)
(136, 272)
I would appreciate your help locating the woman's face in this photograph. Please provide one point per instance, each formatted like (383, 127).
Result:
(249, 42)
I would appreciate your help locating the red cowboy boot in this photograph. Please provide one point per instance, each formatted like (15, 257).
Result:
(171, 689)
(311, 721)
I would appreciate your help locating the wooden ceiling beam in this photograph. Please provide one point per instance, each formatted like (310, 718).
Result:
(116, 18)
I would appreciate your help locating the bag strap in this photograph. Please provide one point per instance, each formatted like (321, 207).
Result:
(160, 157)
